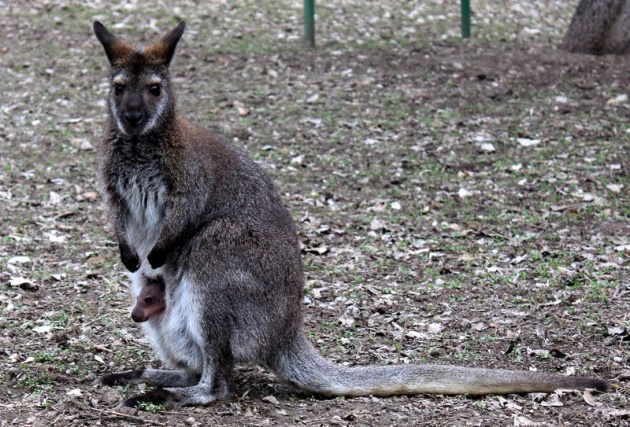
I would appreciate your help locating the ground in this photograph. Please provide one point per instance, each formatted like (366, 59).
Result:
(459, 202)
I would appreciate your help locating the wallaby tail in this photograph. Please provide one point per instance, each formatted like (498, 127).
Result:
(302, 366)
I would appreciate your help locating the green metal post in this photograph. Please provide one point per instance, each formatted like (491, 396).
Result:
(465, 8)
(309, 23)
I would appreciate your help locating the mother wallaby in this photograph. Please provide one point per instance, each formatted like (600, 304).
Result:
(196, 211)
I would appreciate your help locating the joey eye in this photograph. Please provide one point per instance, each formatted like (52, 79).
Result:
(148, 300)
(155, 90)
(118, 89)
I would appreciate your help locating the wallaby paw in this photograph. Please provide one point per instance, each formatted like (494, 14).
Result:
(157, 257)
(129, 258)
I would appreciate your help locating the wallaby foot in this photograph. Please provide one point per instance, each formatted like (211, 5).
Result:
(175, 388)
(155, 377)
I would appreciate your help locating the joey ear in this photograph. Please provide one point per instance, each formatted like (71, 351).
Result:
(165, 48)
(114, 48)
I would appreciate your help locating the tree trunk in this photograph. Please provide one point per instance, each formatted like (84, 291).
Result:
(599, 27)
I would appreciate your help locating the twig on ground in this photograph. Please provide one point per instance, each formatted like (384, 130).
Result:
(131, 417)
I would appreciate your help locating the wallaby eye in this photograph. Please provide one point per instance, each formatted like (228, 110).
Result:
(148, 300)
(155, 90)
(118, 89)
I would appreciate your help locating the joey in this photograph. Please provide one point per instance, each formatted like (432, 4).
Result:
(150, 301)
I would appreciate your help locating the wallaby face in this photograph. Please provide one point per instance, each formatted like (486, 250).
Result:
(150, 301)
(140, 97)
(200, 214)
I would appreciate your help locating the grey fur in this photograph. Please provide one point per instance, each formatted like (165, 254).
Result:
(199, 213)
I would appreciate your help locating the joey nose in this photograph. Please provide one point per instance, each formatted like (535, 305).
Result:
(133, 117)
(138, 318)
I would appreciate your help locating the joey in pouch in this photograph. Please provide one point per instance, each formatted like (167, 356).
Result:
(150, 301)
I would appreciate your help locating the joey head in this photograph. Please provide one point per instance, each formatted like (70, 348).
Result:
(150, 301)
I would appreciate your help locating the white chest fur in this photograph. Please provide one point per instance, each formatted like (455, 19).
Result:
(145, 200)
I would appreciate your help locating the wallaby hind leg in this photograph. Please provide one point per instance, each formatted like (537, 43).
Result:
(178, 388)
(202, 393)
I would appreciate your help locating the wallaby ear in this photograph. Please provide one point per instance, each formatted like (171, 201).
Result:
(114, 48)
(165, 48)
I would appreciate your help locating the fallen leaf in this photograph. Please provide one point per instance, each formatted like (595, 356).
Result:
(434, 328)
(55, 238)
(615, 188)
(54, 198)
(463, 193)
(415, 334)
(18, 281)
(85, 146)
(317, 250)
(479, 326)
(616, 330)
(271, 399)
(527, 142)
(553, 400)
(19, 260)
(619, 99)
(619, 413)
(376, 225)
(522, 421)
(90, 196)
(588, 398)
(346, 321)
(561, 99)
(487, 147)
(75, 392)
(297, 160)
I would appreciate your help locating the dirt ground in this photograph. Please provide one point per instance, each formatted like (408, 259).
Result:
(459, 202)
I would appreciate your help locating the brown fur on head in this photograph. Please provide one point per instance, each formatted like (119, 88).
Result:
(140, 99)
(161, 51)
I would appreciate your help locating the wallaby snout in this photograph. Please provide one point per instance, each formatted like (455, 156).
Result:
(132, 109)
(134, 118)
(138, 317)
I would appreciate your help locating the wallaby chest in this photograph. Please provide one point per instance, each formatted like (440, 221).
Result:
(139, 183)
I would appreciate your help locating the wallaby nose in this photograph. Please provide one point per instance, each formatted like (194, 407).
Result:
(133, 117)
(137, 317)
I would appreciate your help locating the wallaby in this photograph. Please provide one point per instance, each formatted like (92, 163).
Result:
(196, 211)
(150, 301)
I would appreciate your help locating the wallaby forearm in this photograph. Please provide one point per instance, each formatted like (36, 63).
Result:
(184, 212)
(118, 212)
